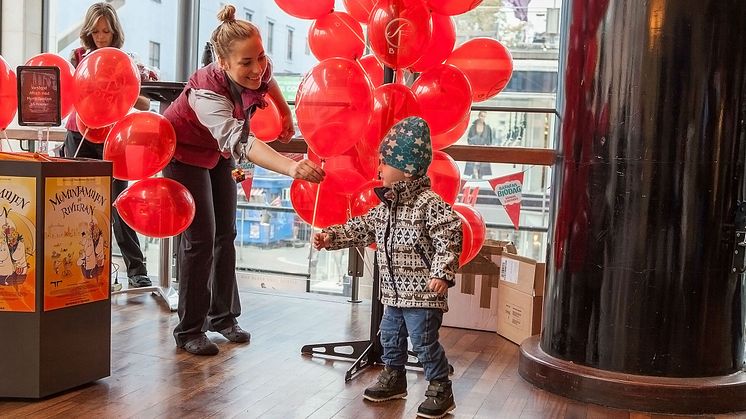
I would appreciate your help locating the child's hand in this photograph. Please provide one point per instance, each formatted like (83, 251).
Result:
(321, 241)
(438, 285)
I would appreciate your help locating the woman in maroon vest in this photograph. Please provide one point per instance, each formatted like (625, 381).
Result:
(211, 119)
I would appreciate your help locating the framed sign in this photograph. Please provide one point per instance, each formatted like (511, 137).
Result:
(39, 96)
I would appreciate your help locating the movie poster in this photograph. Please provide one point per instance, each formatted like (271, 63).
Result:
(77, 238)
(17, 244)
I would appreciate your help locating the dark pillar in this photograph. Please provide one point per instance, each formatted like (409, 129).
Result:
(187, 35)
(644, 272)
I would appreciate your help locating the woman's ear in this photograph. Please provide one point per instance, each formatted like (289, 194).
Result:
(222, 64)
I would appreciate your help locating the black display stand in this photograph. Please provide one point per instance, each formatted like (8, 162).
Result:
(364, 352)
(46, 352)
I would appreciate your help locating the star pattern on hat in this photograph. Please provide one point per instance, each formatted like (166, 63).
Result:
(407, 146)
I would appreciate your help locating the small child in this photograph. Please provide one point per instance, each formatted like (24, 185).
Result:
(419, 242)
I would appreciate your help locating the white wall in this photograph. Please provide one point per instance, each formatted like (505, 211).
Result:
(21, 30)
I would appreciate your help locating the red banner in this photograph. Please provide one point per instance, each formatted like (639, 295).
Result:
(509, 191)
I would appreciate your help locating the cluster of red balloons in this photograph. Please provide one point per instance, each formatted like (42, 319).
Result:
(102, 91)
(344, 109)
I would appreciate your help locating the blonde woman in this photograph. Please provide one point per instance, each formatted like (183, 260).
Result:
(102, 29)
(211, 118)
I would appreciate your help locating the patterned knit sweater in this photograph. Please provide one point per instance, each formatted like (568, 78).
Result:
(418, 236)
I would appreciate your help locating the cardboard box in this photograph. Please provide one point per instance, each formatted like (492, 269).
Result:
(473, 301)
(520, 298)
(519, 273)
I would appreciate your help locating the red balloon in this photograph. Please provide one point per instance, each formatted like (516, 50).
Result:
(444, 176)
(370, 143)
(355, 161)
(452, 7)
(399, 31)
(344, 171)
(332, 206)
(440, 45)
(373, 69)
(336, 34)
(266, 124)
(333, 106)
(444, 95)
(306, 9)
(486, 63)
(8, 95)
(360, 9)
(451, 136)
(478, 228)
(66, 78)
(107, 84)
(140, 145)
(467, 243)
(94, 135)
(156, 207)
(392, 103)
(365, 198)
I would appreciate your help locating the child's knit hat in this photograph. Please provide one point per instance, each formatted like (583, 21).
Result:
(407, 146)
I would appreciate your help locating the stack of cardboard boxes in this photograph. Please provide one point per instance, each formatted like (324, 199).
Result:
(498, 291)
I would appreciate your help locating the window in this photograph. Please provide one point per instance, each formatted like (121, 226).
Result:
(248, 14)
(270, 36)
(532, 82)
(154, 55)
(290, 44)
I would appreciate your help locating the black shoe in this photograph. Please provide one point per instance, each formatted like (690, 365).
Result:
(200, 346)
(139, 281)
(439, 400)
(392, 384)
(236, 334)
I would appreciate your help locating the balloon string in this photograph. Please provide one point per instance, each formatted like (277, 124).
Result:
(46, 140)
(313, 219)
(7, 140)
(362, 39)
(367, 262)
(316, 201)
(81, 142)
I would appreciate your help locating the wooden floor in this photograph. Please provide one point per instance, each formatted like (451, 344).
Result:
(269, 378)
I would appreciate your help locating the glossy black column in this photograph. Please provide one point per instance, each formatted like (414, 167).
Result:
(647, 186)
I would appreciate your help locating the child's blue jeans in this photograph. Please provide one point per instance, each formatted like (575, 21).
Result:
(422, 326)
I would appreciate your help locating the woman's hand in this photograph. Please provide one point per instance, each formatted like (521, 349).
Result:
(142, 104)
(321, 241)
(306, 170)
(288, 130)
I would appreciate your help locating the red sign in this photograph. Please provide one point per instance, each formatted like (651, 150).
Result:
(39, 96)
(509, 191)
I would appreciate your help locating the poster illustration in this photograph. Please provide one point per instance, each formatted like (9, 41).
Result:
(77, 234)
(17, 244)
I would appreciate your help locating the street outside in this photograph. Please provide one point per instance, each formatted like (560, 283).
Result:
(288, 264)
